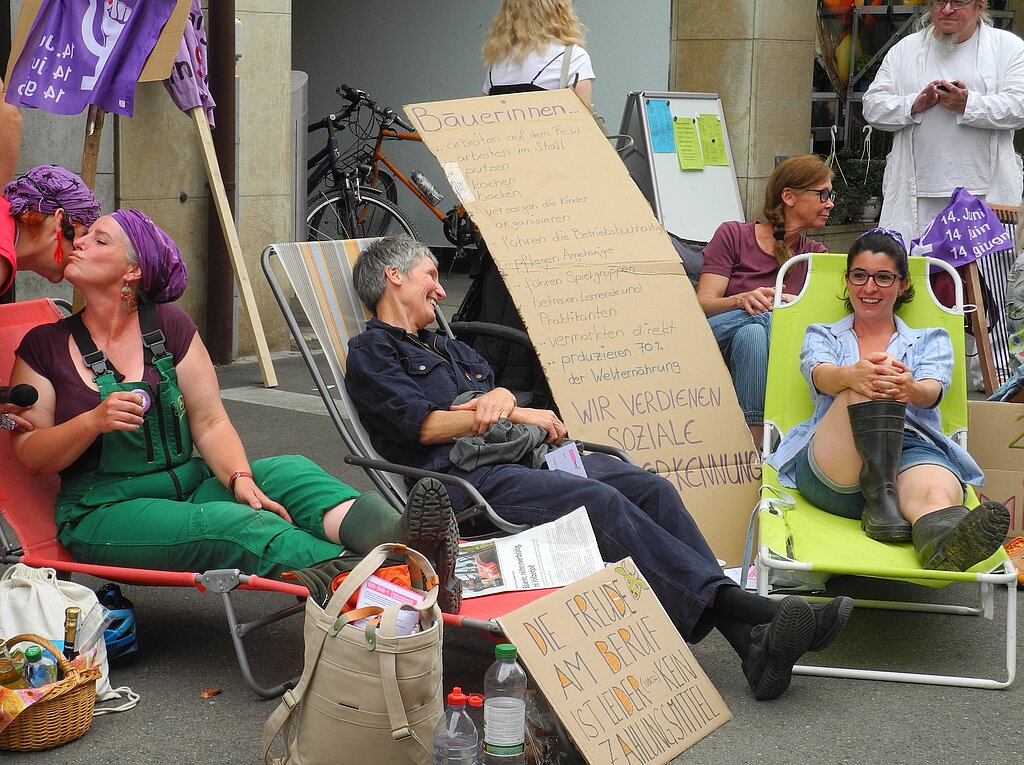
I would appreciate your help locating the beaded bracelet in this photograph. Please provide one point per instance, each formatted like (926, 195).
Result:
(235, 476)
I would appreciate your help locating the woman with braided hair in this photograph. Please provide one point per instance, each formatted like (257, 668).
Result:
(737, 282)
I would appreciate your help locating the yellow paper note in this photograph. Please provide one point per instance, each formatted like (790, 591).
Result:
(712, 140)
(687, 144)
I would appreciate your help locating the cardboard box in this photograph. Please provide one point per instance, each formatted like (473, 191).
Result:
(624, 344)
(995, 439)
(615, 670)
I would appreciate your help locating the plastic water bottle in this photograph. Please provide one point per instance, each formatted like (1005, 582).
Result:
(475, 707)
(39, 670)
(505, 709)
(424, 185)
(455, 738)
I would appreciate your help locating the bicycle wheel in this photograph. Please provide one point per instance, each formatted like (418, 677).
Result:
(329, 219)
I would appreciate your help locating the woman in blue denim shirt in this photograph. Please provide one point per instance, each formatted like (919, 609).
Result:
(874, 448)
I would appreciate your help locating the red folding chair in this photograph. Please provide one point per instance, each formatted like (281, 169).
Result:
(26, 503)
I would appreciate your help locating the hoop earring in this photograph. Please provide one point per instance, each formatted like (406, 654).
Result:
(128, 301)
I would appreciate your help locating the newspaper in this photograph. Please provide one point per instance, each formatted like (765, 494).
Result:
(551, 555)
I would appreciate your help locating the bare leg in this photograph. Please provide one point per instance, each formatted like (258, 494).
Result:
(923, 489)
(332, 520)
(834, 451)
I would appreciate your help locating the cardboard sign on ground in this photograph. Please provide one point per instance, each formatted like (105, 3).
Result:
(996, 440)
(615, 670)
(625, 347)
(157, 66)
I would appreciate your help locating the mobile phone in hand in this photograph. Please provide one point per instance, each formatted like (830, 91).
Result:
(944, 89)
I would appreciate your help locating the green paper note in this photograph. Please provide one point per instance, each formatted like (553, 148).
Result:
(687, 144)
(712, 140)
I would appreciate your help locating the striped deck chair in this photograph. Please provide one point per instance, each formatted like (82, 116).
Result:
(26, 503)
(799, 543)
(320, 276)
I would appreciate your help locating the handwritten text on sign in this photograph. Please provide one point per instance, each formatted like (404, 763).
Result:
(625, 347)
(610, 662)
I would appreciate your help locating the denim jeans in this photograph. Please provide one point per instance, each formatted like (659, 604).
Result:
(743, 340)
(633, 512)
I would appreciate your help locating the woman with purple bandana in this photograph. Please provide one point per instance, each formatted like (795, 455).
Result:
(41, 213)
(127, 388)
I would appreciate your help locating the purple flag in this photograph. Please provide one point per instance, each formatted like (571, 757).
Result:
(188, 83)
(86, 51)
(965, 231)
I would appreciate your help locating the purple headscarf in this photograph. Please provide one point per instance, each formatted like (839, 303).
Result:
(47, 188)
(163, 271)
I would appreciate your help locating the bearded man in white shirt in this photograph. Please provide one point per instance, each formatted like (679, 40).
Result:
(953, 93)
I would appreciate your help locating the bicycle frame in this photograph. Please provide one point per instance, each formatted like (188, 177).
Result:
(379, 156)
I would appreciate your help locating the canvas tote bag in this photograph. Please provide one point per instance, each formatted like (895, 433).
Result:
(365, 695)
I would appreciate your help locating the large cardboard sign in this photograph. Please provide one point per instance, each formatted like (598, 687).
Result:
(625, 346)
(611, 664)
(996, 440)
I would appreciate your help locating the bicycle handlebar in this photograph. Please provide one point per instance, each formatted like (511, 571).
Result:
(355, 97)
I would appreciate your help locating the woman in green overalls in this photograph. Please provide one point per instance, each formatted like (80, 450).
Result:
(127, 389)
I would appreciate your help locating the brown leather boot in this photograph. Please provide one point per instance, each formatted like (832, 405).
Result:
(878, 435)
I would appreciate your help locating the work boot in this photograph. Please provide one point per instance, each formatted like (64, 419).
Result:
(776, 646)
(431, 529)
(878, 435)
(955, 538)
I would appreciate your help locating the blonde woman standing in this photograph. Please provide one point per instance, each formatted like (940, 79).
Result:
(526, 47)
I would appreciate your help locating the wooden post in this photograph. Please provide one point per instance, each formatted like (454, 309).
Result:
(90, 159)
(979, 327)
(227, 225)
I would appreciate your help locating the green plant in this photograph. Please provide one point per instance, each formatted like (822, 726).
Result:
(854, 186)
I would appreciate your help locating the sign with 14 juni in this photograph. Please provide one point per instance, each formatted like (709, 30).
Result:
(81, 52)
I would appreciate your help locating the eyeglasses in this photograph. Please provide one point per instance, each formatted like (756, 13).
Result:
(824, 195)
(890, 233)
(858, 277)
(957, 4)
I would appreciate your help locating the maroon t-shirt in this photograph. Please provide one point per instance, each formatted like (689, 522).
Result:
(734, 253)
(45, 350)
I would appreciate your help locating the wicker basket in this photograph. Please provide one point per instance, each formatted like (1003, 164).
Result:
(64, 715)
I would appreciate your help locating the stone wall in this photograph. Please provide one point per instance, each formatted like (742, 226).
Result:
(758, 55)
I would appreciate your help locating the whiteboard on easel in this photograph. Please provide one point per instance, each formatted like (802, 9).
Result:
(682, 161)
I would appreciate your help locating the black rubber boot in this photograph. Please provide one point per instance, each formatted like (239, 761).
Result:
(955, 538)
(878, 435)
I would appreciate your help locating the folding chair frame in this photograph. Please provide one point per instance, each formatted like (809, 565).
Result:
(768, 560)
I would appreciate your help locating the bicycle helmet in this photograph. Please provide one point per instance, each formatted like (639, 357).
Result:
(119, 636)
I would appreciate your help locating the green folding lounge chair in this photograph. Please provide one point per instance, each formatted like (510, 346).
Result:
(800, 546)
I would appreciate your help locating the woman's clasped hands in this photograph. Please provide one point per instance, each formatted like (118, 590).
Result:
(883, 377)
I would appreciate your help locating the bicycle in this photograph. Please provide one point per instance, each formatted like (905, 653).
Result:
(386, 125)
(345, 208)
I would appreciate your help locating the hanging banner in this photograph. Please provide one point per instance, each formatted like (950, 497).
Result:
(188, 84)
(69, 54)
